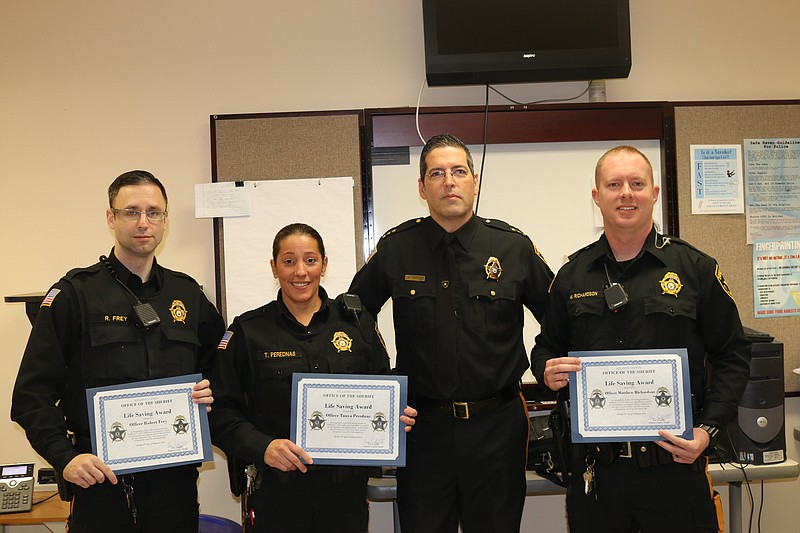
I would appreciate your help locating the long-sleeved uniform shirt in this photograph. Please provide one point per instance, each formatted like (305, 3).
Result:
(498, 271)
(84, 336)
(257, 357)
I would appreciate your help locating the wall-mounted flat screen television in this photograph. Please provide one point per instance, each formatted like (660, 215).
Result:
(477, 42)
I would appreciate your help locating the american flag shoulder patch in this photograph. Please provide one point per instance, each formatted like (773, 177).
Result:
(223, 342)
(48, 299)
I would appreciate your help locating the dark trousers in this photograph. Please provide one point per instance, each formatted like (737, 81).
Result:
(166, 502)
(658, 499)
(468, 471)
(329, 499)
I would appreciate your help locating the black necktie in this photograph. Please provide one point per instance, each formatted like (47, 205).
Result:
(446, 365)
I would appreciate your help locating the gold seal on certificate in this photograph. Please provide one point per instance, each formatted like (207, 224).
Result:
(348, 419)
(629, 395)
(148, 424)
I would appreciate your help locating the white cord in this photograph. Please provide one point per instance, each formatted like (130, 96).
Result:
(416, 114)
(665, 241)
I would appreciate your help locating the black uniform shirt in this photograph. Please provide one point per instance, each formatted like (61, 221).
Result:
(489, 305)
(261, 351)
(49, 394)
(678, 299)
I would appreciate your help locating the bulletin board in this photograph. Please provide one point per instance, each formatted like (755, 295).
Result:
(285, 146)
(724, 236)
(353, 143)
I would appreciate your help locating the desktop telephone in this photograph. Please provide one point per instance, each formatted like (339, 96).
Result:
(16, 488)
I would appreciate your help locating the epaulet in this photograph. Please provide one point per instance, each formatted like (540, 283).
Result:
(505, 226)
(181, 275)
(76, 271)
(666, 240)
(408, 224)
(499, 224)
(579, 252)
(252, 313)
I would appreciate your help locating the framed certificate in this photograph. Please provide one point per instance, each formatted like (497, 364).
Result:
(629, 395)
(148, 424)
(347, 419)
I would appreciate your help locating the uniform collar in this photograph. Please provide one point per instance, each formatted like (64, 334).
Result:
(603, 250)
(463, 235)
(321, 314)
(134, 282)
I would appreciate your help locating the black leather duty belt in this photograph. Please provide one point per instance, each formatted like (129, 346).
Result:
(644, 454)
(467, 410)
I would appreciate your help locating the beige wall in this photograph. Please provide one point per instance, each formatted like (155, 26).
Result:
(93, 88)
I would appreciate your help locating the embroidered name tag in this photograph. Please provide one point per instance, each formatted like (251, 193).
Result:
(270, 355)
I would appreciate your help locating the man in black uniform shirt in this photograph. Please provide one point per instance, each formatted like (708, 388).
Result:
(85, 336)
(676, 298)
(458, 284)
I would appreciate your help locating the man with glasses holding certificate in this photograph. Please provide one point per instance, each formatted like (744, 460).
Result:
(637, 290)
(124, 319)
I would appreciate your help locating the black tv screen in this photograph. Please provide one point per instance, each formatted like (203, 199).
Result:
(476, 42)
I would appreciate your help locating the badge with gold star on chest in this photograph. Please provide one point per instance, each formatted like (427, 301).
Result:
(342, 342)
(493, 268)
(671, 284)
(178, 311)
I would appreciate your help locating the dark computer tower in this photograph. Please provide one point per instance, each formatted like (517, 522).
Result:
(758, 435)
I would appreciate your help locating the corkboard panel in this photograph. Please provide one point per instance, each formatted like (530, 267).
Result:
(278, 146)
(724, 236)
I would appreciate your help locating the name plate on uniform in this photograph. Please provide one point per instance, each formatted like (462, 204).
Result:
(629, 395)
(347, 419)
(148, 424)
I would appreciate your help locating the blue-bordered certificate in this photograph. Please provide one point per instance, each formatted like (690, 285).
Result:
(148, 424)
(628, 395)
(346, 419)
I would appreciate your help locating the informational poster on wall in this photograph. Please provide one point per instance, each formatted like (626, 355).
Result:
(776, 277)
(717, 179)
(772, 177)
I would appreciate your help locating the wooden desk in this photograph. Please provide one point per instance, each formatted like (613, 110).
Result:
(51, 513)
(385, 489)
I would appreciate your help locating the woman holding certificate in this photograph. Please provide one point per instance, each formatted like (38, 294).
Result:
(301, 331)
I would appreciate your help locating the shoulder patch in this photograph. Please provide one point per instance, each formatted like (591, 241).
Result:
(223, 342)
(49, 297)
(721, 279)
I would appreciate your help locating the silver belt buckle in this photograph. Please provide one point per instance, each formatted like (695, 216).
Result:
(628, 454)
(462, 413)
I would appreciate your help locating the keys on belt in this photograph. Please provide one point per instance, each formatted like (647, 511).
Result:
(127, 481)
